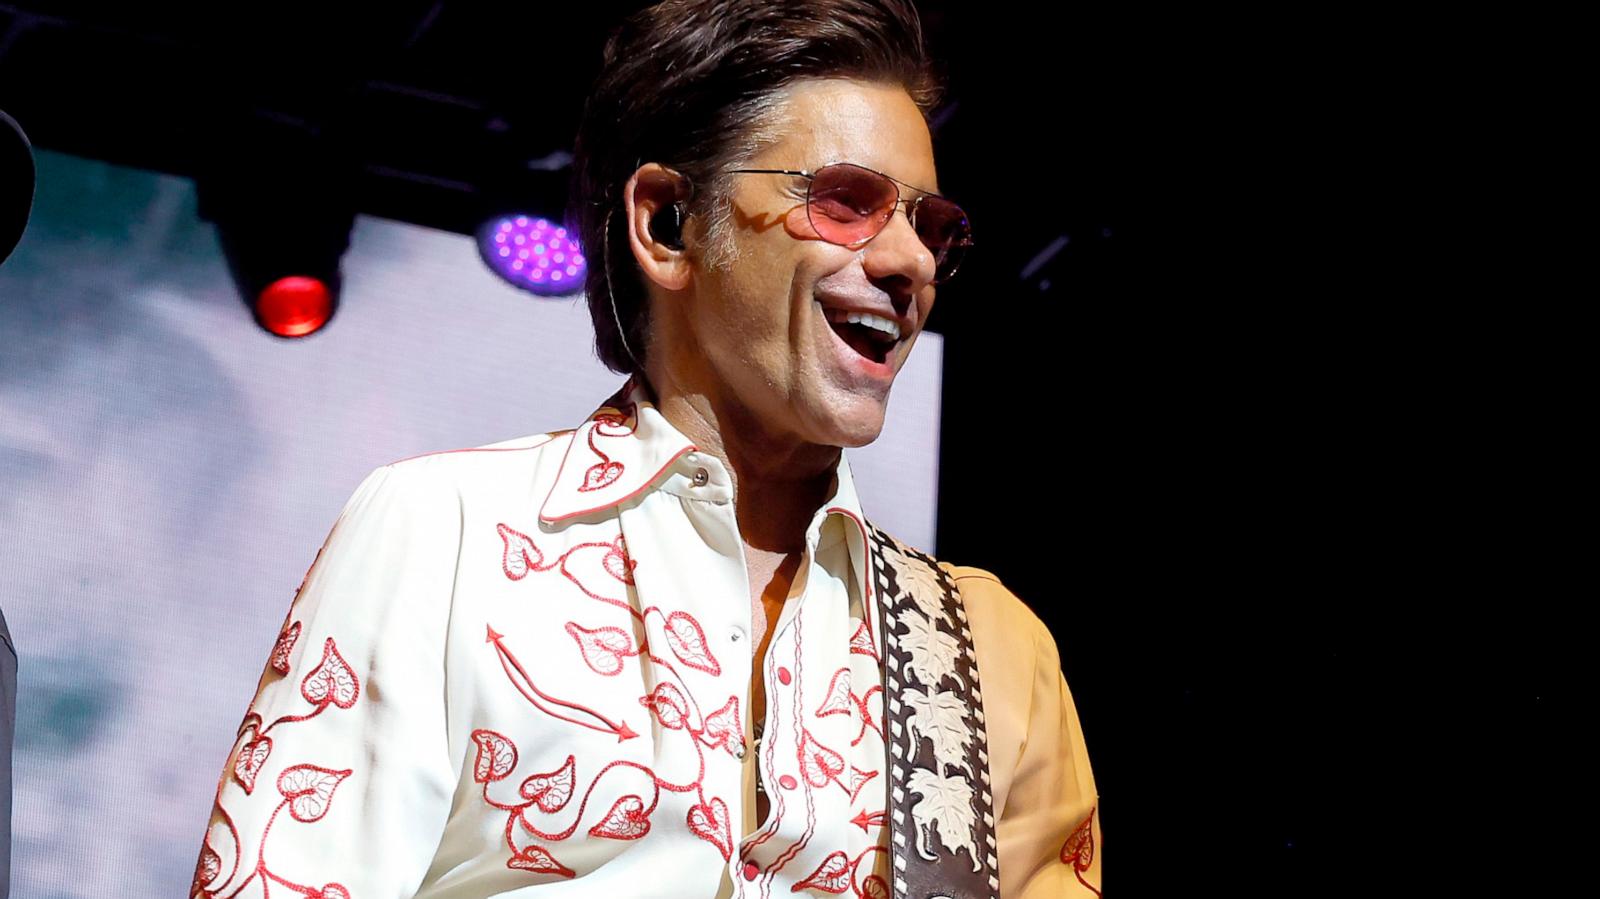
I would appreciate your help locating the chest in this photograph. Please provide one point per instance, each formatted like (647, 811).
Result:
(609, 678)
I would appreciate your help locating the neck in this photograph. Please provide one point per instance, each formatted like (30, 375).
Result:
(778, 481)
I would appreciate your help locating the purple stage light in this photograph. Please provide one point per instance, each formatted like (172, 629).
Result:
(534, 254)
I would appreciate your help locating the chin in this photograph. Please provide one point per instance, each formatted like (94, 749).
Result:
(856, 428)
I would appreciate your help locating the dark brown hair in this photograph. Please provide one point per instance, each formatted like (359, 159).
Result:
(697, 85)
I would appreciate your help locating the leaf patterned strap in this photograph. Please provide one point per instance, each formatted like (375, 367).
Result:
(941, 803)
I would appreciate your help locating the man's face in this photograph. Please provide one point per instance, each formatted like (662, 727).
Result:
(761, 328)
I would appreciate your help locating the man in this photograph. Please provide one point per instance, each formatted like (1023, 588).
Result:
(665, 653)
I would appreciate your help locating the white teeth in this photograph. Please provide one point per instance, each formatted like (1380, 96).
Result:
(875, 322)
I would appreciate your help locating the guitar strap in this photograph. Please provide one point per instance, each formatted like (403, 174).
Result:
(941, 807)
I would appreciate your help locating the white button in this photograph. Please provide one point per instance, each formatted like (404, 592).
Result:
(736, 633)
(739, 753)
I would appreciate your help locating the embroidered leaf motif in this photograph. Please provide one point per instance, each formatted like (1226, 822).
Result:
(858, 779)
(818, 763)
(840, 700)
(309, 789)
(600, 475)
(918, 581)
(223, 841)
(618, 563)
(520, 556)
(861, 642)
(331, 681)
(668, 704)
(942, 718)
(869, 720)
(611, 424)
(252, 755)
(538, 860)
(1078, 850)
(945, 803)
(603, 648)
(550, 792)
(688, 643)
(832, 876)
(626, 820)
(933, 652)
(206, 869)
(710, 823)
(724, 727)
(497, 755)
(332, 891)
(280, 650)
(874, 888)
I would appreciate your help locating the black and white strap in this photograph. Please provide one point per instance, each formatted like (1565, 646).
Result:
(941, 808)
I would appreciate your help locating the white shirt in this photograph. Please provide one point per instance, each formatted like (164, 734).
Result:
(523, 669)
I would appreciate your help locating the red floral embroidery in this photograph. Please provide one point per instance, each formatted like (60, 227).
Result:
(309, 790)
(869, 720)
(552, 791)
(207, 869)
(668, 704)
(832, 876)
(627, 820)
(600, 475)
(331, 681)
(710, 823)
(1078, 850)
(497, 756)
(839, 701)
(247, 764)
(603, 648)
(520, 555)
(842, 701)
(861, 642)
(688, 643)
(280, 650)
(724, 727)
(818, 763)
(873, 887)
(538, 860)
(858, 779)
(604, 473)
(617, 562)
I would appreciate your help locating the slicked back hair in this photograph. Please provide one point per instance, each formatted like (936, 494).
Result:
(698, 86)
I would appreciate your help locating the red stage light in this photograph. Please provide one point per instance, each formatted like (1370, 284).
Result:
(294, 306)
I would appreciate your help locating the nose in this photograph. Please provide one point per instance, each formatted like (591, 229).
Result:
(898, 254)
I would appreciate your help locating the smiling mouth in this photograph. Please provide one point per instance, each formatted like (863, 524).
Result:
(874, 343)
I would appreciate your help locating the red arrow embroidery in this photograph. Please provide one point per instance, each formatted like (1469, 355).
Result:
(865, 819)
(525, 685)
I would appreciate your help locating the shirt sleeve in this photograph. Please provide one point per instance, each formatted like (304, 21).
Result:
(340, 778)
(1049, 833)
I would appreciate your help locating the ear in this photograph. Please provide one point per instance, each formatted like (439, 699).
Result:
(652, 188)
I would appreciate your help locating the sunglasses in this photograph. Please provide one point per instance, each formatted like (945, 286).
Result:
(849, 205)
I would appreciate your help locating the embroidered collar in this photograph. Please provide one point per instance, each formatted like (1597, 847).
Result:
(627, 447)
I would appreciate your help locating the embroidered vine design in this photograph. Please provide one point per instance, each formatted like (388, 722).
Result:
(1078, 850)
(604, 650)
(307, 790)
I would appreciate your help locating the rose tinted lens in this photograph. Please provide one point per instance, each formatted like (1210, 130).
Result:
(944, 228)
(850, 204)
